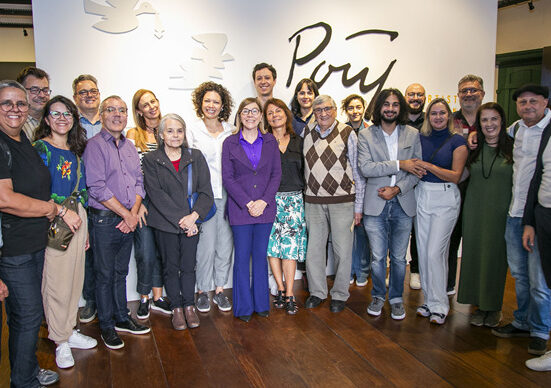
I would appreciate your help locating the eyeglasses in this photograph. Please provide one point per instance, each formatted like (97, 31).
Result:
(246, 112)
(8, 105)
(112, 109)
(91, 92)
(413, 94)
(469, 90)
(327, 109)
(35, 90)
(56, 115)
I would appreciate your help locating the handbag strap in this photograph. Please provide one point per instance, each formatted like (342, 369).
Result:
(75, 190)
(190, 182)
(439, 148)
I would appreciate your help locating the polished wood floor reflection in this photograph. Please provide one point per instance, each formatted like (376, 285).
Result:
(315, 348)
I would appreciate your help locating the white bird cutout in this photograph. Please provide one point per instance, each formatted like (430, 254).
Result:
(120, 17)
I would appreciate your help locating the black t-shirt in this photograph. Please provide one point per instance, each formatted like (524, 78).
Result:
(29, 177)
(292, 166)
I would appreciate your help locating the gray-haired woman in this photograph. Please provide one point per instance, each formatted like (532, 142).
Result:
(176, 230)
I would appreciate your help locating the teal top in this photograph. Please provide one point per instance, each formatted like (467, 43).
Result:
(62, 165)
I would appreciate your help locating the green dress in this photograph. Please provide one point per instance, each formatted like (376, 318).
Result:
(484, 258)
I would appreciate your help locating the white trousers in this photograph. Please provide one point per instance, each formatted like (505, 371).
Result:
(438, 206)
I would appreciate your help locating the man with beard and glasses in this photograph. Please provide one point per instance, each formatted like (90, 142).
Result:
(470, 92)
(386, 153)
(37, 83)
(415, 98)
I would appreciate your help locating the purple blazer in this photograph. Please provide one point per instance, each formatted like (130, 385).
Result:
(244, 184)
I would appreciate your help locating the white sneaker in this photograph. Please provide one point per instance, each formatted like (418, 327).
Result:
(273, 285)
(540, 364)
(414, 281)
(77, 340)
(63, 356)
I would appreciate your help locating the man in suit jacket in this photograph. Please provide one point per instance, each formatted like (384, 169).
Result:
(385, 153)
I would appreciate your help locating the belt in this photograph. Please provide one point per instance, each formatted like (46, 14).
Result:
(102, 213)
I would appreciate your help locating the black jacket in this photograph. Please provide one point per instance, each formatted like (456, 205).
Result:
(166, 188)
(532, 198)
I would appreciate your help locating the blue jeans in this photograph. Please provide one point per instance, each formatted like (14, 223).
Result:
(533, 295)
(148, 261)
(361, 254)
(388, 234)
(112, 250)
(23, 277)
(250, 295)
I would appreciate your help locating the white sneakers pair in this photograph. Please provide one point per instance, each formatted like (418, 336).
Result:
(64, 356)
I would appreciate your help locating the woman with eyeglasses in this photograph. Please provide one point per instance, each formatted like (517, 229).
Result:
(175, 220)
(147, 116)
(60, 142)
(251, 174)
(27, 209)
(438, 202)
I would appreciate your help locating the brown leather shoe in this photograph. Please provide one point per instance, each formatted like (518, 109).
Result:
(191, 317)
(178, 320)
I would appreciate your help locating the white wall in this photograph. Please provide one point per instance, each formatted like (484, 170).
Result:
(520, 29)
(428, 49)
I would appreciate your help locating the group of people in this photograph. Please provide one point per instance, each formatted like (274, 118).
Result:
(274, 189)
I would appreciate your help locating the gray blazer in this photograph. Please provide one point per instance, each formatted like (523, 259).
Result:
(374, 163)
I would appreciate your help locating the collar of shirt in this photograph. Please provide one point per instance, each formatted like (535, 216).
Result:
(84, 120)
(258, 139)
(108, 137)
(363, 125)
(227, 128)
(327, 132)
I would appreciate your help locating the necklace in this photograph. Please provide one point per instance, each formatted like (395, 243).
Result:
(491, 165)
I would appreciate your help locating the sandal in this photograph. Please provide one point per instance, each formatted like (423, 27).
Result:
(291, 305)
(279, 300)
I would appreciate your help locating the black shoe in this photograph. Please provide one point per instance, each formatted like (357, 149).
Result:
(509, 331)
(337, 306)
(291, 305)
(245, 318)
(131, 326)
(313, 301)
(537, 346)
(163, 305)
(263, 314)
(143, 309)
(111, 339)
(88, 312)
(279, 300)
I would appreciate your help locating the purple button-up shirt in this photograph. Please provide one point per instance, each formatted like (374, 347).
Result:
(112, 171)
(253, 150)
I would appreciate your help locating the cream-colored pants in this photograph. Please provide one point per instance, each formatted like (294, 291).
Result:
(62, 282)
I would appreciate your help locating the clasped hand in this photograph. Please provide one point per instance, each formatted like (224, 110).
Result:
(414, 166)
(256, 208)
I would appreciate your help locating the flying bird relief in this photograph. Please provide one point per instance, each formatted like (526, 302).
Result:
(205, 62)
(121, 16)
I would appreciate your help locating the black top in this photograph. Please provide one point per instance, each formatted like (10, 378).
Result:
(29, 177)
(418, 123)
(166, 188)
(292, 166)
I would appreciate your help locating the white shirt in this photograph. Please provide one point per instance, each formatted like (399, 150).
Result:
(392, 147)
(199, 137)
(525, 151)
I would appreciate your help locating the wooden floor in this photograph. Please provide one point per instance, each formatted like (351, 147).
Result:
(315, 348)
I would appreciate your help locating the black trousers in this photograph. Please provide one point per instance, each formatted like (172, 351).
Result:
(543, 234)
(178, 254)
(455, 239)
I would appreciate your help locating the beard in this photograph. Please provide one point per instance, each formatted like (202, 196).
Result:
(389, 120)
(415, 111)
